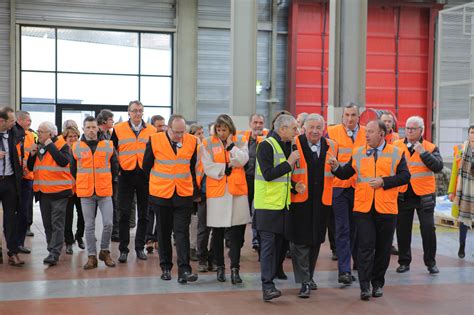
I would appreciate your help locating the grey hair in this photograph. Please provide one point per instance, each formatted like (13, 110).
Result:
(50, 127)
(283, 120)
(417, 120)
(314, 117)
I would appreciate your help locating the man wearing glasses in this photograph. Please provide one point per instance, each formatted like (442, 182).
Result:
(423, 159)
(130, 139)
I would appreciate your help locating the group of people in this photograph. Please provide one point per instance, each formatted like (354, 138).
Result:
(293, 182)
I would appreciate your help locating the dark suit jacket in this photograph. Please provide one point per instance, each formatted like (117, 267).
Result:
(14, 137)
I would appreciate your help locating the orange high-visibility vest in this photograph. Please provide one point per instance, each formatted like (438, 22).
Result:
(366, 169)
(27, 143)
(49, 177)
(172, 172)
(237, 182)
(338, 133)
(199, 167)
(422, 178)
(248, 133)
(300, 174)
(392, 137)
(94, 175)
(130, 147)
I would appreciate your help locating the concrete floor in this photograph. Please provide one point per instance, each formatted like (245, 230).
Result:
(136, 287)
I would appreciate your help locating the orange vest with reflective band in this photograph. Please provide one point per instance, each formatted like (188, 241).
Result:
(237, 182)
(366, 169)
(27, 143)
(300, 174)
(338, 133)
(392, 137)
(422, 178)
(199, 167)
(94, 175)
(49, 177)
(248, 133)
(171, 172)
(130, 147)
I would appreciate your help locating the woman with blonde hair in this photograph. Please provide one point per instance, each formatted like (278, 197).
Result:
(223, 156)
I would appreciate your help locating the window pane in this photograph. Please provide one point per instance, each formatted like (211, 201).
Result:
(37, 48)
(156, 91)
(39, 113)
(156, 54)
(97, 89)
(97, 51)
(151, 111)
(37, 87)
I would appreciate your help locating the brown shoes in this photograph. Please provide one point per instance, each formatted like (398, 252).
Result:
(91, 263)
(15, 261)
(104, 255)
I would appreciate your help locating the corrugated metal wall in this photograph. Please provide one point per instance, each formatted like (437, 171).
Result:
(4, 53)
(144, 14)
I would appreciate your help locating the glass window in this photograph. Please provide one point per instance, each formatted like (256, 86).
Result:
(156, 58)
(38, 87)
(156, 91)
(38, 48)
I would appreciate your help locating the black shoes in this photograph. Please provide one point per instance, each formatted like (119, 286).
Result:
(334, 256)
(270, 294)
(345, 278)
(80, 243)
(202, 266)
(69, 249)
(24, 250)
(221, 274)
(187, 277)
(403, 268)
(433, 269)
(365, 295)
(141, 254)
(461, 253)
(166, 275)
(281, 275)
(235, 276)
(29, 233)
(377, 292)
(51, 260)
(123, 257)
(305, 291)
(312, 285)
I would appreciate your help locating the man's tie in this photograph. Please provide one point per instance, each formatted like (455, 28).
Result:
(375, 154)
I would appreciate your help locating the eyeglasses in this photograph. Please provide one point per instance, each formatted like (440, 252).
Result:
(136, 111)
(412, 128)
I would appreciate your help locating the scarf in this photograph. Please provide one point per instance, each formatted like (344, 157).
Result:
(465, 186)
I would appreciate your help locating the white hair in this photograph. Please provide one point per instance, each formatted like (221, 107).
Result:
(314, 117)
(50, 127)
(283, 120)
(417, 120)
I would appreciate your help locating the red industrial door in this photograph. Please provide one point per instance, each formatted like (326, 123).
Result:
(308, 45)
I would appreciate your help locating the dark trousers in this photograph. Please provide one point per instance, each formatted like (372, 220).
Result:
(463, 233)
(69, 237)
(203, 253)
(26, 195)
(374, 244)
(9, 199)
(53, 213)
(406, 210)
(346, 233)
(251, 192)
(115, 229)
(271, 245)
(236, 236)
(128, 185)
(332, 230)
(304, 259)
(152, 228)
(176, 220)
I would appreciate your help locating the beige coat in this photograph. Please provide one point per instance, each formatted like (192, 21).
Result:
(228, 210)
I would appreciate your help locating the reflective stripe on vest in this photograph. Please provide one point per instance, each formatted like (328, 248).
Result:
(171, 172)
(49, 177)
(367, 169)
(94, 176)
(131, 148)
(275, 194)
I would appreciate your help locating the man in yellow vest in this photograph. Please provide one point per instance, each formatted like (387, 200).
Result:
(26, 194)
(130, 138)
(275, 162)
(170, 160)
(309, 210)
(94, 165)
(379, 168)
(53, 183)
(348, 135)
(423, 159)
